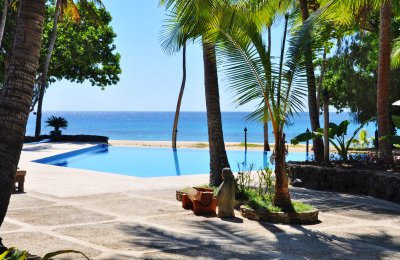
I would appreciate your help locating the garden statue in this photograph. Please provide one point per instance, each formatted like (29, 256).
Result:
(226, 195)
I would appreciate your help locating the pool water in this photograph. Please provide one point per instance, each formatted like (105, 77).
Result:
(157, 162)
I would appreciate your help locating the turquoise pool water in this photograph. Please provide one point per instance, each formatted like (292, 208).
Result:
(156, 162)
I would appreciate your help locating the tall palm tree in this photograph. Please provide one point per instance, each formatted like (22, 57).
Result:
(62, 6)
(179, 102)
(383, 115)
(195, 16)
(174, 38)
(16, 96)
(318, 145)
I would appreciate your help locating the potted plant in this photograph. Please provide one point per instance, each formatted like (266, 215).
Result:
(57, 123)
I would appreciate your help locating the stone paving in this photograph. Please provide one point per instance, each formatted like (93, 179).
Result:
(140, 219)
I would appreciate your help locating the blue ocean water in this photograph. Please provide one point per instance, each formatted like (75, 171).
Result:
(157, 126)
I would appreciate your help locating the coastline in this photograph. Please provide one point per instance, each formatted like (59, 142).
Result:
(202, 145)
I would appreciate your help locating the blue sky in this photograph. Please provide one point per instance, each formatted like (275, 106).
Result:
(150, 79)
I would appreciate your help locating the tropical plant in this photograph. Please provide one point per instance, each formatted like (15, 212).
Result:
(194, 18)
(62, 7)
(313, 107)
(337, 137)
(16, 254)
(57, 123)
(243, 52)
(16, 95)
(363, 141)
(92, 40)
(244, 182)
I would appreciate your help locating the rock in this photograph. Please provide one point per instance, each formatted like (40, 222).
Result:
(226, 195)
(379, 184)
(297, 183)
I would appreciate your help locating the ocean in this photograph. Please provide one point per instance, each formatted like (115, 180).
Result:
(157, 126)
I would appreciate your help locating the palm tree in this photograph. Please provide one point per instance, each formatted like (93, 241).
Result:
(62, 6)
(173, 38)
(318, 145)
(16, 96)
(194, 18)
(244, 52)
(383, 116)
(178, 104)
(57, 123)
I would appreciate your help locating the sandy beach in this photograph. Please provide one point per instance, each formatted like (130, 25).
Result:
(201, 145)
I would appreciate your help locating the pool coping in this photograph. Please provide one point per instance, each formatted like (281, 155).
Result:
(73, 153)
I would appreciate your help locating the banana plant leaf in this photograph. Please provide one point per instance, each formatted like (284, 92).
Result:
(396, 121)
(394, 139)
(304, 137)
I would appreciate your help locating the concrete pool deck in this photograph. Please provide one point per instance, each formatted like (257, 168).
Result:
(109, 216)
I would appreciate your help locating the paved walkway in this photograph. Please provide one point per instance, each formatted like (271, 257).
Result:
(110, 216)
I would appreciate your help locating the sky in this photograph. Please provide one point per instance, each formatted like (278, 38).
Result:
(150, 79)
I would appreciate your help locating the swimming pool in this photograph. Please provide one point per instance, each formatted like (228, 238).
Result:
(155, 162)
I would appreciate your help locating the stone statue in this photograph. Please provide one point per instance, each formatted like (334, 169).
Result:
(226, 195)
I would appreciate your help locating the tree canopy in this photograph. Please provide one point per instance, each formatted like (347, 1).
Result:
(84, 51)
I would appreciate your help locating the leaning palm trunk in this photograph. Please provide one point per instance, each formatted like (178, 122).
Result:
(267, 148)
(16, 96)
(218, 157)
(46, 66)
(384, 129)
(3, 20)
(318, 145)
(178, 105)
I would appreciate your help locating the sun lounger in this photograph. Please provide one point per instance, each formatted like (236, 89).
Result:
(200, 200)
(19, 181)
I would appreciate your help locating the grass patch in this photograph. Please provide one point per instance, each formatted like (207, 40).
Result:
(200, 145)
(257, 201)
(251, 145)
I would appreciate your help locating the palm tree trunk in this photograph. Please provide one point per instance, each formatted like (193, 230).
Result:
(16, 96)
(282, 196)
(326, 107)
(178, 105)
(218, 157)
(326, 126)
(321, 79)
(318, 145)
(3, 20)
(46, 66)
(267, 148)
(383, 116)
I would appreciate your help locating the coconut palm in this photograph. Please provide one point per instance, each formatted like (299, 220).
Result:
(62, 7)
(194, 16)
(383, 115)
(318, 145)
(16, 96)
(243, 52)
(174, 38)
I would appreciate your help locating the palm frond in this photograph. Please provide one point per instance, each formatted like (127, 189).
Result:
(395, 57)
